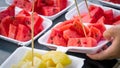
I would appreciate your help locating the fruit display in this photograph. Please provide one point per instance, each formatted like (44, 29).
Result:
(70, 33)
(114, 1)
(18, 26)
(50, 59)
(43, 7)
(97, 13)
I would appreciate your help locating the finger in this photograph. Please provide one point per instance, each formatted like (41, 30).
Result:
(109, 53)
(108, 34)
(98, 56)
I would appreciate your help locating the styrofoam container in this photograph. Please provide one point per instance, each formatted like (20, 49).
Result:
(52, 17)
(109, 4)
(46, 24)
(82, 7)
(91, 50)
(18, 54)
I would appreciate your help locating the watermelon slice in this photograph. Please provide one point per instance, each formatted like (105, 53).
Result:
(88, 42)
(37, 23)
(24, 4)
(116, 18)
(67, 22)
(49, 2)
(92, 7)
(23, 12)
(75, 42)
(20, 19)
(49, 10)
(116, 23)
(56, 37)
(99, 24)
(24, 33)
(108, 14)
(10, 11)
(5, 25)
(61, 3)
(95, 33)
(70, 34)
(53, 33)
(66, 27)
(95, 15)
(77, 25)
(59, 40)
(12, 31)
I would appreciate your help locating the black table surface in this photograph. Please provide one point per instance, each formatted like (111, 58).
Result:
(7, 48)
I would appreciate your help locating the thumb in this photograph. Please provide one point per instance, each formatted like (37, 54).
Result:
(109, 34)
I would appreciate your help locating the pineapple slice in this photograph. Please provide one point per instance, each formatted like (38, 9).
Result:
(57, 57)
(59, 65)
(28, 56)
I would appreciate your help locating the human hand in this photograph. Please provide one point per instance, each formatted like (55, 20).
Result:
(113, 51)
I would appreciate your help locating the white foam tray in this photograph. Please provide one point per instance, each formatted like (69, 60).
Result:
(110, 4)
(82, 7)
(91, 50)
(46, 24)
(18, 54)
(70, 3)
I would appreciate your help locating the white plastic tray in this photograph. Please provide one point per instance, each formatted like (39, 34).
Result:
(91, 50)
(70, 3)
(83, 9)
(110, 4)
(46, 24)
(20, 52)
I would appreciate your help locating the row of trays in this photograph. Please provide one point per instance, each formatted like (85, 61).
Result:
(47, 23)
(42, 39)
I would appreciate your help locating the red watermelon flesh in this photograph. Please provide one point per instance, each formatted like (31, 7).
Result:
(49, 2)
(65, 27)
(53, 33)
(92, 7)
(95, 15)
(25, 18)
(95, 33)
(23, 34)
(77, 25)
(59, 40)
(116, 23)
(37, 23)
(75, 42)
(40, 3)
(24, 12)
(62, 4)
(24, 4)
(115, 1)
(88, 42)
(67, 22)
(38, 6)
(116, 18)
(5, 25)
(20, 19)
(12, 31)
(108, 16)
(49, 10)
(100, 24)
(70, 34)
(38, 27)
(10, 11)
(56, 37)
